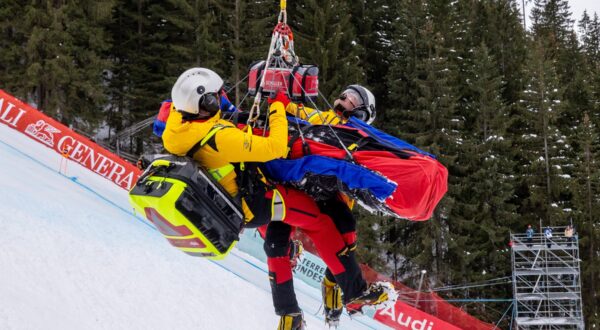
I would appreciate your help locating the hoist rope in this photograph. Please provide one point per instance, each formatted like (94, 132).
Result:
(239, 82)
(323, 120)
(495, 281)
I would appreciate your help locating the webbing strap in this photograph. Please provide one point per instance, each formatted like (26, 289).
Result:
(221, 172)
(205, 140)
(211, 133)
(217, 173)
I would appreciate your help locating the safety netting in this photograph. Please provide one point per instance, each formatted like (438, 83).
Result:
(428, 302)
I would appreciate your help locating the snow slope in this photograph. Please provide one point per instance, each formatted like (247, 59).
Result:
(74, 257)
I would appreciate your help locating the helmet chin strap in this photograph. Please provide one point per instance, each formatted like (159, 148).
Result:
(358, 112)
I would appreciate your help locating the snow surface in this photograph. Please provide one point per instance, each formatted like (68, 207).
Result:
(74, 257)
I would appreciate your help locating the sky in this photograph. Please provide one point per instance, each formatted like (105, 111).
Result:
(74, 257)
(577, 8)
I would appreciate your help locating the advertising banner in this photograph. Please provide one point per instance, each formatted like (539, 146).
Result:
(49, 132)
(404, 316)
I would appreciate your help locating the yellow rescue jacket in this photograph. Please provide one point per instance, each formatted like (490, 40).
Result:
(314, 116)
(227, 145)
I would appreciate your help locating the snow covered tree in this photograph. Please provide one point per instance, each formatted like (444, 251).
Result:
(587, 215)
(325, 36)
(543, 141)
(590, 37)
(432, 118)
(406, 50)
(374, 24)
(498, 25)
(487, 188)
(551, 21)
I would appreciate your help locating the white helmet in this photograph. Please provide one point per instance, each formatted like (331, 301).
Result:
(196, 89)
(366, 110)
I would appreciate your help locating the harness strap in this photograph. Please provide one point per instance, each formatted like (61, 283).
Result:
(221, 172)
(217, 173)
(209, 135)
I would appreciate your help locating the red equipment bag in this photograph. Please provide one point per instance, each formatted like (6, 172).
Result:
(305, 83)
(256, 71)
(301, 83)
(276, 79)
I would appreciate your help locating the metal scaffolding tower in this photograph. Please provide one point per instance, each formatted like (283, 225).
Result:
(546, 281)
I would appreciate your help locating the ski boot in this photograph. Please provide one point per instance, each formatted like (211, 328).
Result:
(296, 250)
(379, 294)
(332, 302)
(294, 321)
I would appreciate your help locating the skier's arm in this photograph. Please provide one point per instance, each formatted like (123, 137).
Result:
(239, 146)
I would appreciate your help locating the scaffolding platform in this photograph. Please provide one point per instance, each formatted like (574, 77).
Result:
(546, 282)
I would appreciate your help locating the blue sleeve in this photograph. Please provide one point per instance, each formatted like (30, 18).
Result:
(158, 127)
(226, 105)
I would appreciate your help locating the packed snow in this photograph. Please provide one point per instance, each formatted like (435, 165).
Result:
(75, 257)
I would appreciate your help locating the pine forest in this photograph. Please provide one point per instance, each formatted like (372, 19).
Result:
(510, 106)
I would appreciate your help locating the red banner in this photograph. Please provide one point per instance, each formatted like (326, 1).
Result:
(403, 316)
(49, 132)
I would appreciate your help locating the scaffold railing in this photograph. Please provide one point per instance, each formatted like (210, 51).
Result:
(546, 281)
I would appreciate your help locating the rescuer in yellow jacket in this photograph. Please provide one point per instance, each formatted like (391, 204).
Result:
(195, 128)
(227, 144)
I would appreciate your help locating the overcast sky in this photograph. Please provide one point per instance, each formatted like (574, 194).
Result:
(577, 8)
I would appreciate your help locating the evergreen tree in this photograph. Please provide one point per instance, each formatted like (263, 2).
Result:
(374, 24)
(587, 215)
(551, 21)
(372, 245)
(251, 24)
(155, 42)
(590, 36)
(498, 25)
(430, 243)
(139, 81)
(589, 32)
(543, 141)
(65, 58)
(406, 50)
(483, 202)
(325, 36)
(12, 39)
(587, 190)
